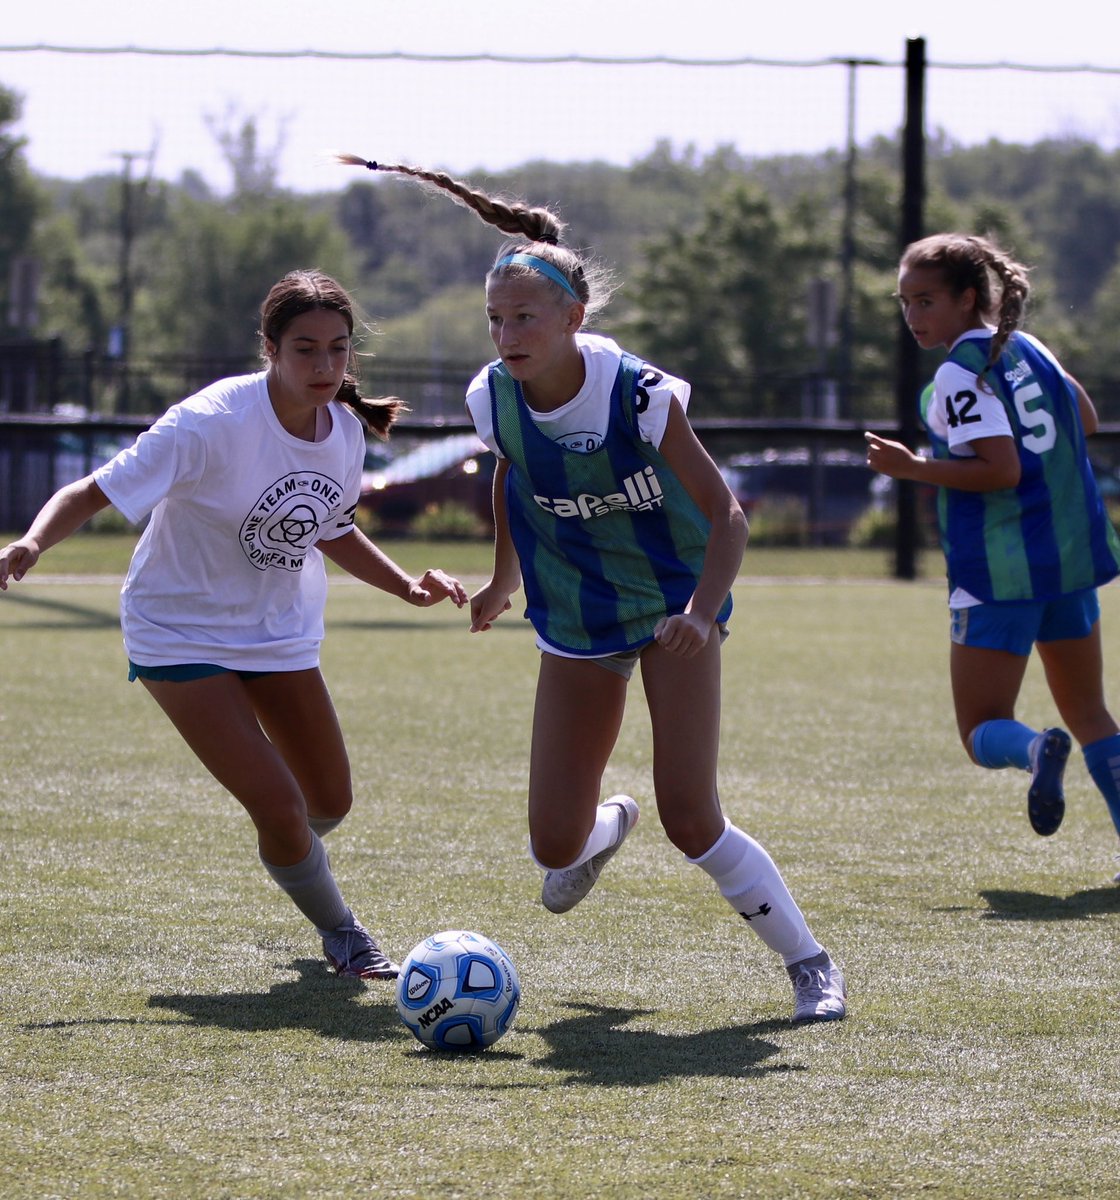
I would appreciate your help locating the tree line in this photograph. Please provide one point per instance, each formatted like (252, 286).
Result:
(767, 281)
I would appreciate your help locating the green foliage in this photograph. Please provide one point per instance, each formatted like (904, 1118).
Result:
(21, 199)
(449, 522)
(874, 529)
(716, 255)
(450, 327)
(779, 521)
(215, 268)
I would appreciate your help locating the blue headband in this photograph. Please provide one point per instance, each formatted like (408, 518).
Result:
(539, 264)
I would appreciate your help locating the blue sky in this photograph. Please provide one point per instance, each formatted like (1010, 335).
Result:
(81, 113)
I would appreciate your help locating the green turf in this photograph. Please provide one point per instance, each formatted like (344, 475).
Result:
(167, 1028)
(108, 553)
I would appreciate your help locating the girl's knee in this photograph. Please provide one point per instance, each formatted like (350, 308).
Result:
(693, 833)
(332, 808)
(553, 853)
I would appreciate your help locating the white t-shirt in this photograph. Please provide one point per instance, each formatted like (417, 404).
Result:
(581, 424)
(227, 570)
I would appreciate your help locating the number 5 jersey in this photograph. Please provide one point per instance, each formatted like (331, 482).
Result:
(1046, 537)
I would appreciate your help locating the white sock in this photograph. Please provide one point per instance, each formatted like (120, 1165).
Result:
(312, 888)
(603, 833)
(750, 882)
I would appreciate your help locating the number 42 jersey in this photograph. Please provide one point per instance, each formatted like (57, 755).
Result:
(1046, 537)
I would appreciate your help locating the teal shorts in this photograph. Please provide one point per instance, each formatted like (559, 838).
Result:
(185, 672)
(1016, 627)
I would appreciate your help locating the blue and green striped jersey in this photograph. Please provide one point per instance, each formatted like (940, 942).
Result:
(1050, 535)
(609, 542)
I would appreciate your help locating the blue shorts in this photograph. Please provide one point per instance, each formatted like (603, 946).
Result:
(1016, 627)
(185, 672)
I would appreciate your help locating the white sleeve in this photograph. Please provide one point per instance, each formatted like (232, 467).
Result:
(962, 411)
(159, 463)
(479, 411)
(655, 390)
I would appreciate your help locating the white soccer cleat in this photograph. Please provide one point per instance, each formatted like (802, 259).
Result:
(562, 890)
(819, 993)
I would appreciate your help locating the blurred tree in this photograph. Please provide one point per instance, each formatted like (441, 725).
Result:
(725, 305)
(211, 269)
(21, 201)
(253, 167)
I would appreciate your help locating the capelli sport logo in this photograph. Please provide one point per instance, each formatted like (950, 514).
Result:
(285, 521)
(641, 493)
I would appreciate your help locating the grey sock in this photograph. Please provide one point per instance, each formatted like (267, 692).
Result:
(323, 825)
(312, 888)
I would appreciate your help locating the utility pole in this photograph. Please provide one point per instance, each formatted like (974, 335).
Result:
(848, 248)
(909, 371)
(120, 345)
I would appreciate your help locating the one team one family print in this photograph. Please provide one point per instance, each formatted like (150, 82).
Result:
(285, 521)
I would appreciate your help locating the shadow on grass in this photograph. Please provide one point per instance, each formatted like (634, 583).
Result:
(1036, 906)
(69, 616)
(317, 1000)
(594, 1048)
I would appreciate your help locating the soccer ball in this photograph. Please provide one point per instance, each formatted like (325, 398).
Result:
(458, 990)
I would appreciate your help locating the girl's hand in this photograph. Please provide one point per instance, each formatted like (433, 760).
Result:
(890, 458)
(487, 605)
(16, 559)
(434, 586)
(683, 634)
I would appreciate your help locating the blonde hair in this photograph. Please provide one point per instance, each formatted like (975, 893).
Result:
(966, 262)
(534, 230)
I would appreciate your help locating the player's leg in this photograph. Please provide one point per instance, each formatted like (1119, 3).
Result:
(297, 714)
(1075, 674)
(576, 720)
(684, 704)
(986, 684)
(218, 718)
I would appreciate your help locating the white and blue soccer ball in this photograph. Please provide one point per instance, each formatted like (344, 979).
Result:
(458, 990)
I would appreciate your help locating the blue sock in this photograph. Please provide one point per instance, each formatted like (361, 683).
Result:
(997, 744)
(1103, 760)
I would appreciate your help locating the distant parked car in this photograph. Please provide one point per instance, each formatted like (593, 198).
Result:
(454, 469)
(835, 488)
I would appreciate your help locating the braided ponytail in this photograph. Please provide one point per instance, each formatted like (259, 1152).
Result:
(536, 230)
(1014, 290)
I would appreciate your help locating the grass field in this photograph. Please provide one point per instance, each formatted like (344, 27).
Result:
(167, 1028)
